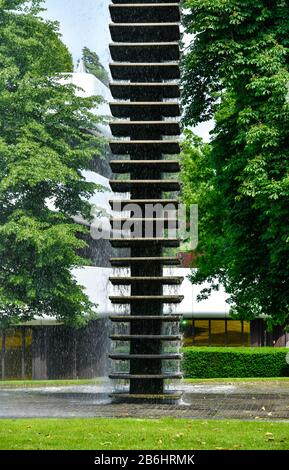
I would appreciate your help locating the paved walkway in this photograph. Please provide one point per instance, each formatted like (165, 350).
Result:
(250, 401)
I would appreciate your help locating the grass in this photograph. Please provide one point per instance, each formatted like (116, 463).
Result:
(239, 380)
(63, 383)
(138, 434)
(47, 383)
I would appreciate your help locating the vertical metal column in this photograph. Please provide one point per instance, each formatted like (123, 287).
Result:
(145, 69)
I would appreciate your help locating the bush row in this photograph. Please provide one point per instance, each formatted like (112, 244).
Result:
(209, 362)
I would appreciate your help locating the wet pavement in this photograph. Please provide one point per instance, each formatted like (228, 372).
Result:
(249, 401)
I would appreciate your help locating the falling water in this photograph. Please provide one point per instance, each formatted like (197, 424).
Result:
(119, 328)
(170, 329)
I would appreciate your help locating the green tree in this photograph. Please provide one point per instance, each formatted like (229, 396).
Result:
(236, 70)
(94, 66)
(43, 150)
(196, 172)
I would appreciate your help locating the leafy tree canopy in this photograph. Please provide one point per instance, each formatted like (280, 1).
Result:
(94, 66)
(42, 151)
(236, 70)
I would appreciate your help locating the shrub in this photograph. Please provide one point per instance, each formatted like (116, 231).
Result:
(209, 362)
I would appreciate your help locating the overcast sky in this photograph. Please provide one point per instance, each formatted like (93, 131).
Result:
(82, 23)
(85, 23)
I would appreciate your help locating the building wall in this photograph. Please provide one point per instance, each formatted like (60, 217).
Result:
(59, 352)
(54, 352)
(260, 337)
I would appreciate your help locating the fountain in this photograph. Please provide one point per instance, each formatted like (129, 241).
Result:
(145, 69)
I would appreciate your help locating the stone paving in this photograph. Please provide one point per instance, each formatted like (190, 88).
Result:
(218, 401)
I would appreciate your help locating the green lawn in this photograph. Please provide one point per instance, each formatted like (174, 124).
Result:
(238, 380)
(164, 434)
(59, 383)
(46, 383)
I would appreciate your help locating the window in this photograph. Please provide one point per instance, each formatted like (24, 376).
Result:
(16, 355)
(215, 332)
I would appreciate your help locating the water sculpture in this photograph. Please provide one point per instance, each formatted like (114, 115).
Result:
(145, 69)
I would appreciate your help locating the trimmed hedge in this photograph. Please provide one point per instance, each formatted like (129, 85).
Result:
(210, 362)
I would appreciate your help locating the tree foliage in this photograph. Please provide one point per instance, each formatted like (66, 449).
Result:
(236, 71)
(43, 150)
(94, 66)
